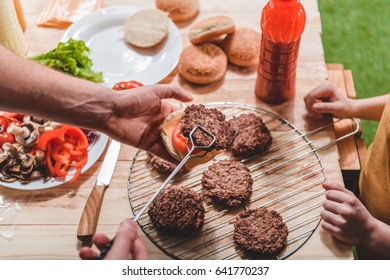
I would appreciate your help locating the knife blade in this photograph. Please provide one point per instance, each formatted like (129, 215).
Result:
(90, 215)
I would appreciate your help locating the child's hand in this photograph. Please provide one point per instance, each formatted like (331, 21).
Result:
(325, 98)
(345, 217)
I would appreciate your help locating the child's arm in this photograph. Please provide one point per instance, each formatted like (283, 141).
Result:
(346, 218)
(325, 98)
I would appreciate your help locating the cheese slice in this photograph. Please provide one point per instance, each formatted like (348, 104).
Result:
(168, 128)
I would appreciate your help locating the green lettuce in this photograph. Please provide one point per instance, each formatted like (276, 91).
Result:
(72, 58)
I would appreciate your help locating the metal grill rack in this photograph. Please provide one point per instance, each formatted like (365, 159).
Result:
(287, 178)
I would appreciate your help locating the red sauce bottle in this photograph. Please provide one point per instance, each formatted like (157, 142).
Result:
(282, 23)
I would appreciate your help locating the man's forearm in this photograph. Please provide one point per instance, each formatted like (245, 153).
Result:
(370, 108)
(28, 87)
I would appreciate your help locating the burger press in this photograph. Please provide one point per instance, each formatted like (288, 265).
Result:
(190, 148)
(287, 178)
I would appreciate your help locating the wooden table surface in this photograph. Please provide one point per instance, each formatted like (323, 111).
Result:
(43, 224)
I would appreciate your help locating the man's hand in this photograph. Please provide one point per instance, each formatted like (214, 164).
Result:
(138, 113)
(127, 244)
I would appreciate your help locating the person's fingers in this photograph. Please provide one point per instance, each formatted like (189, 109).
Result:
(87, 253)
(324, 107)
(100, 240)
(174, 108)
(323, 91)
(332, 218)
(172, 91)
(139, 251)
(338, 196)
(124, 241)
(332, 206)
(337, 187)
(330, 228)
(332, 186)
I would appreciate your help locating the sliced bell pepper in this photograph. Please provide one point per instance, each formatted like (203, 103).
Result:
(65, 146)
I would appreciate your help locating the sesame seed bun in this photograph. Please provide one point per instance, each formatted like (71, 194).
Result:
(146, 28)
(179, 10)
(211, 28)
(242, 47)
(202, 64)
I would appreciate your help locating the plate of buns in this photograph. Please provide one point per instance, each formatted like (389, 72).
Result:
(129, 43)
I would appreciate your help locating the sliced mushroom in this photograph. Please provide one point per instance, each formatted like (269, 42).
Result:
(52, 126)
(40, 159)
(40, 124)
(10, 149)
(27, 160)
(8, 179)
(4, 158)
(6, 170)
(26, 135)
(35, 175)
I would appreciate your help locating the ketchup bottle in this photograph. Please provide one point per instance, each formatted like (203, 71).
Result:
(282, 23)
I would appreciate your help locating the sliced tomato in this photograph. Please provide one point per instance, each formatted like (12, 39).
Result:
(3, 124)
(179, 141)
(13, 115)
(6, 137)
(127, 85)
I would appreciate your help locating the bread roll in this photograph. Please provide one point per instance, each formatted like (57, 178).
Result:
(146, 28)
(202, 64)
(179, 10)
(211, 28)
(242, 47)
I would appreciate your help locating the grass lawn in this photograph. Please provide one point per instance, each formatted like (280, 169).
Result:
(356, 33)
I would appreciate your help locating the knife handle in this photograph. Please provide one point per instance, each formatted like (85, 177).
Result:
(90, 216)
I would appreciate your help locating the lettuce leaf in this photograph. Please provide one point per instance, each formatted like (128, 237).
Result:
(72, 58)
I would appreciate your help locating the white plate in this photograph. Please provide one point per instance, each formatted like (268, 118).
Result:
(93, 155)
(103, 33)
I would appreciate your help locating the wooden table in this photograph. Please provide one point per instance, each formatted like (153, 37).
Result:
(44, 226)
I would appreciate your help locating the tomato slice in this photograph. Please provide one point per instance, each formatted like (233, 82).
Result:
(127, 85)
(179, 141)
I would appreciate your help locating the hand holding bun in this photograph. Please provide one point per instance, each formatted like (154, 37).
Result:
(179, 10)
(177, 126)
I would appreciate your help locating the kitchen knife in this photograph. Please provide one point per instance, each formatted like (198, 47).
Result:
(90, 216)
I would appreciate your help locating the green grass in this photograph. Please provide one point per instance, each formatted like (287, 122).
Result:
(356, 33)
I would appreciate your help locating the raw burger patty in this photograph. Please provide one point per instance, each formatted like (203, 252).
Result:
(228, 182)
(260, 231)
